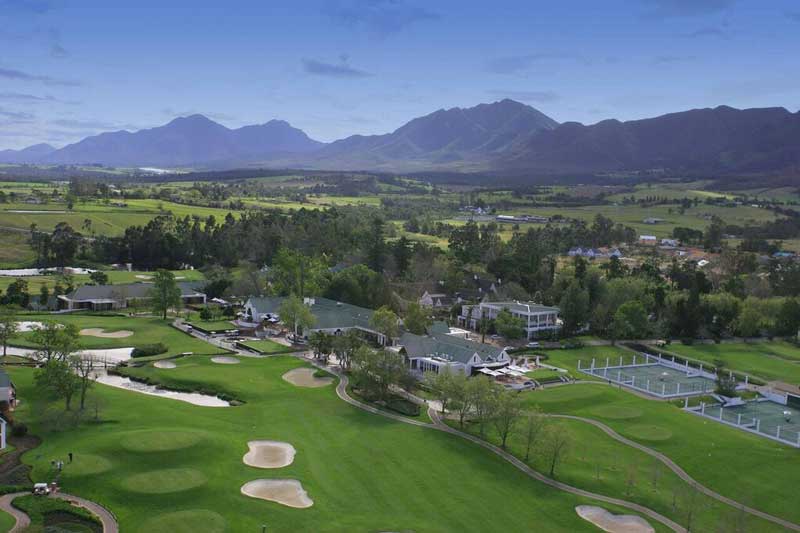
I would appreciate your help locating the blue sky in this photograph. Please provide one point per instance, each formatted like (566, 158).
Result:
(334, 68)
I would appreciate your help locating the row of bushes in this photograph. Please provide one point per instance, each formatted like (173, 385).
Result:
(200, 388)
(146, 350)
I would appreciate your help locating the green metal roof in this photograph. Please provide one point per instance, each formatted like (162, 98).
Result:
(329, 314)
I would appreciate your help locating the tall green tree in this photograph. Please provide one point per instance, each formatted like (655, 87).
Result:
(416, 320)
(385, 322)
(296, 314)
(165, 293)
(55, 341)
(509, 326)
(574, 308)
(630, 321)
(9, 328)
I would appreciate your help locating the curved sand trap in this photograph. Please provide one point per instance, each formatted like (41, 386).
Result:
(304, 377)
(613, 523)
(103, 334)
(224, 360)
(164, 364)
(288, 492)
(269, 454)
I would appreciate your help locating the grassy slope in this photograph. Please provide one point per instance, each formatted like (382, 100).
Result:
(745, 467)
(365, 473)
(6, 521)
(768, 360)
(145, 331)
(114, 277)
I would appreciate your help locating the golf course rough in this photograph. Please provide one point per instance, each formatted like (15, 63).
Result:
(304, 377)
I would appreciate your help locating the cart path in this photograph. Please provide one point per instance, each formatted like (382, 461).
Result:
(341, 391)
(105, 516)
(23, 520)
(681, 473)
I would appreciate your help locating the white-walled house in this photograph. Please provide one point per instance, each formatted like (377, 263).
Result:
(536, 318)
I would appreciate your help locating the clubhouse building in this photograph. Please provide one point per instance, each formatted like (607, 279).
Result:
(330, 316)
(110, 297)
(536, 318)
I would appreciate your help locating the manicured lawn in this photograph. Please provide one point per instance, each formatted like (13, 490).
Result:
(268, 347)
(114, 277)
(146, 330)
(767, 360)
(748, 468)
(6, 521)
(544, 375)
(364, 472)
(596, 462)
(568, 359)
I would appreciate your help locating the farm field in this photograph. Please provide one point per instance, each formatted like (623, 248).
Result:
(122, 465)
(770, 361)
(748, 468)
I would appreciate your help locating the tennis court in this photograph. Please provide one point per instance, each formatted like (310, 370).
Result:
(657, 379)
(760, 416)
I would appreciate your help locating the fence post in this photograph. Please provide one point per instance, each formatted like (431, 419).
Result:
(634, 359)
(633, 381)
(678, 390)
(664, 390)
(607, 362)
(620, 360)
(739, 419)
(746, 379)
(579, 364)
(592, 364)
(685, 402)
(758, 425)
(648, 385)
(702, 407)
(701, 367)
(778, 433)
(720, 412)
(619, 376)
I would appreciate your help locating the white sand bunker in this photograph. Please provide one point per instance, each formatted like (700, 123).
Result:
(613, 523)
(143, 276)
(224, 360)
(287, 492)
(28, 326)
(269, 454)
(304, 377)
(102, 333)
(164, 364)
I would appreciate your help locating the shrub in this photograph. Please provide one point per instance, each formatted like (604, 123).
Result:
(146, 350)
(403, 406)
(19, 429)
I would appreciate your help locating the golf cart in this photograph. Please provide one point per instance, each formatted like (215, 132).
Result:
(41, 489)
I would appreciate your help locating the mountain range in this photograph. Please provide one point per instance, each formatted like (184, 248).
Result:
(504, 136)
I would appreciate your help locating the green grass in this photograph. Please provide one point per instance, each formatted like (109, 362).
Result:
(6, 521)
(544, 375)
(364, 472)
(750, 469)
(114, 277)
(768, 360)
(596, 462)
(268, 347)
(146, 330)
(15, 252)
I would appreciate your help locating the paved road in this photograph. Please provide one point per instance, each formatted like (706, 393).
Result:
(341, 391)
(23, 520)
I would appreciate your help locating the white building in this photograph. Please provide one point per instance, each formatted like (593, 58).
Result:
(536, 318)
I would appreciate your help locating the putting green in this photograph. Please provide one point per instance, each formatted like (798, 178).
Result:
(165, 481)
(617, 412)
(86, 464)
(160, 440)
(188, 521)
(648, 432)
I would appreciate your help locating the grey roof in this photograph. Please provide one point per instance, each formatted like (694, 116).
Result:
(5, 381)
(329, 314)
(126, 290)
(266, 305)
(454, 348)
